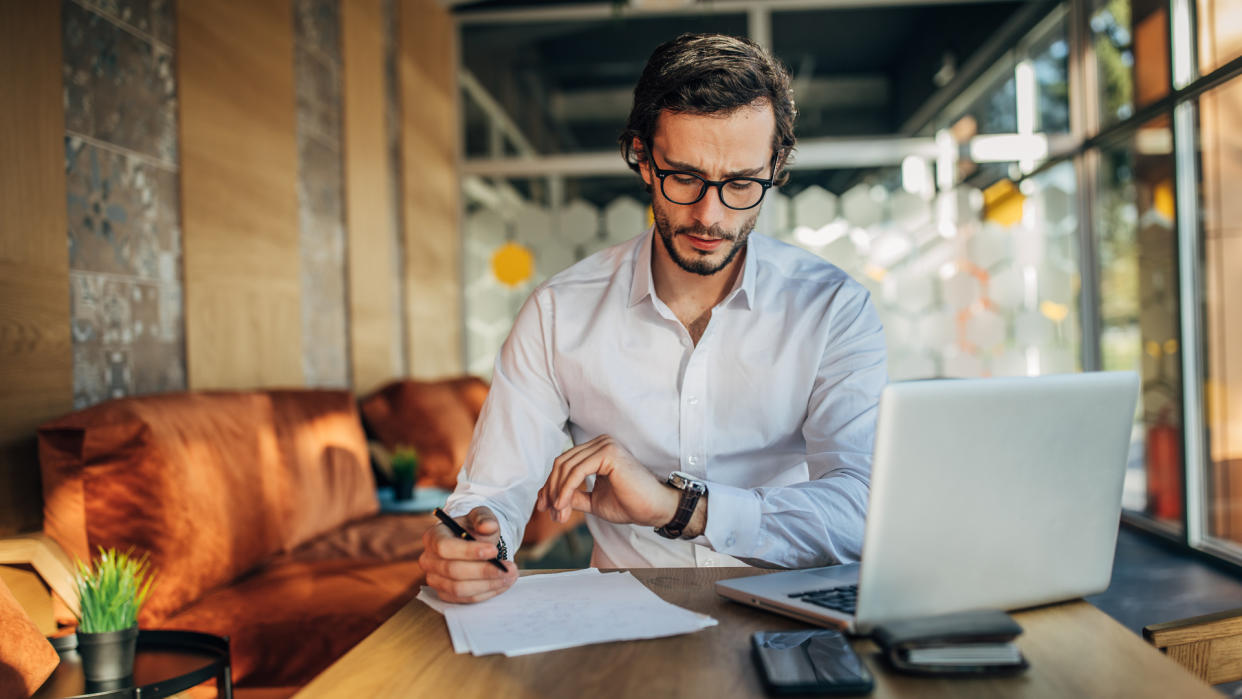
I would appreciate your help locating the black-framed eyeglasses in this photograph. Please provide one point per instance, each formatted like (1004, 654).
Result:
(686, 188)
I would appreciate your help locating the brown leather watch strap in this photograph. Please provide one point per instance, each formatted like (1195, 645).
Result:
(690, 495)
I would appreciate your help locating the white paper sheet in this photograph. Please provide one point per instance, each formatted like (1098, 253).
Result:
(553, 611)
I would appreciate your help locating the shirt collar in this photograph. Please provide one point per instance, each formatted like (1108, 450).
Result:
(643, 284)
(744, 288)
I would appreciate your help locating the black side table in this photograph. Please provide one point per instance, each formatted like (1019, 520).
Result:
(166, 662)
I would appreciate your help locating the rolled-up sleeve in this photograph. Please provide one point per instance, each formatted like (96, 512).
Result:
(818, 522)
(521, 429)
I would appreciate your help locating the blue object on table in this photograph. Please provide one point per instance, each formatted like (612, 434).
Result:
(425, 500)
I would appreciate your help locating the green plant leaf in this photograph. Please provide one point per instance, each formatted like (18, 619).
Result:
(112, 591)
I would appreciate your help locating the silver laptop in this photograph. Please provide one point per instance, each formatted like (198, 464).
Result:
(985, 494)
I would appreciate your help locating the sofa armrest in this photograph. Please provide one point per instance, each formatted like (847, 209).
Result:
(49, 561)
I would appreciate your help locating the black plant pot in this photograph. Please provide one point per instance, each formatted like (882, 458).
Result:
(108, 655)
(403, 487)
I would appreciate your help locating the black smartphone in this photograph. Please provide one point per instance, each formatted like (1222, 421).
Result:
(819, 661)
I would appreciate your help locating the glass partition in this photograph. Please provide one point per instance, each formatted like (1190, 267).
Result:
(1139, 316)
(1130, 40)
(993, 293)
(1221, 145)
(1220, 32)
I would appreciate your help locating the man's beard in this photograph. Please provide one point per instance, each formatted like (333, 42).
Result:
(701, 264)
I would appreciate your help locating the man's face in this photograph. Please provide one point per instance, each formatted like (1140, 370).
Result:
(704, 237)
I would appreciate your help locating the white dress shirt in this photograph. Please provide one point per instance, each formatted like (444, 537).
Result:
(775, 407)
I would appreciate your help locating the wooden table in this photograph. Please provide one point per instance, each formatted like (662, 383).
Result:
(1074, 649)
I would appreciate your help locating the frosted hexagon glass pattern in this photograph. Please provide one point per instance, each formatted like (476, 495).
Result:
(985, 299)
(990, 246)
(985, 330)
(914, 291)
(959, 289)
(1032, 328)
(863, 206)
(557, 237)
(814, 206)
(577, 223)
(910, 211)
(624, 218)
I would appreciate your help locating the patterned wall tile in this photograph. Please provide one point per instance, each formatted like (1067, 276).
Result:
(322, 239)
(325, 320)
(392, 112)
(123, 214)
(318, 95)
(123, 200)
(119, 87)
(316, 24)
(127, 337)
(153, 17)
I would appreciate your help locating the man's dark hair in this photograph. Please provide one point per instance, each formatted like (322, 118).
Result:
(709, 74)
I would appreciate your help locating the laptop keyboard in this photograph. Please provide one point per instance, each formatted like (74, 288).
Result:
(843, 598)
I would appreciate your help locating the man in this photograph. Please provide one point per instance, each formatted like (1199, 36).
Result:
(751, 367)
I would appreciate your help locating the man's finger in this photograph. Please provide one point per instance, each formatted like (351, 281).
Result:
(446, 545)
(482, 520)
(581, 501)
(564, 462)
(465, 590)
(576, 475)
(462, 570)
(558, 496)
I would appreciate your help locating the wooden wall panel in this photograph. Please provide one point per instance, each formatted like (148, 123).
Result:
(430, 173)
(368, 197)
(36, 359)
(239, 202)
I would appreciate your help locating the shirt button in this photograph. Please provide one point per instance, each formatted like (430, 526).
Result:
(692, 460)
(692, 400)
(730, 541)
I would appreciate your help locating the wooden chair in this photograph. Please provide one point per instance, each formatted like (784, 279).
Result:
(1210, 646)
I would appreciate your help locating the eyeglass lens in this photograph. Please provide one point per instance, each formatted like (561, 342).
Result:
(687, 189)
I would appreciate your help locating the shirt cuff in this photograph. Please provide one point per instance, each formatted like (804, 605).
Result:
(732, 519)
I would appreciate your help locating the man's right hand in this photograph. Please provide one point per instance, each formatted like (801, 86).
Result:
(457, 569)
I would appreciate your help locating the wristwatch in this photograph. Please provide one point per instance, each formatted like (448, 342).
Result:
(691, 490)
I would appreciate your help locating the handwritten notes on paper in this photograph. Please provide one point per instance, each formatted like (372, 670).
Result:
(553, 611)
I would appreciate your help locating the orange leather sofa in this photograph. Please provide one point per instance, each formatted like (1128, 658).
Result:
(258, 510)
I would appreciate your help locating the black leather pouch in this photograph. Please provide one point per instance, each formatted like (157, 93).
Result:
(966, 643)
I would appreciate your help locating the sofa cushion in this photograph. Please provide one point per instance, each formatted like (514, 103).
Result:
(435, 417)
(209, 484)
(26, 658)
(315, 603)
(324, 450)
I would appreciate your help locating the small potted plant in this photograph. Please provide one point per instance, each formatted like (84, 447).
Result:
(404, 471)
(111, 591)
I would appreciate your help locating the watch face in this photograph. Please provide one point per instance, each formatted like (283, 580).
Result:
(679, 480)
(685, 481)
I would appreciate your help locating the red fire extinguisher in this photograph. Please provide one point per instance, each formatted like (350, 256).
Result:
(1164, 468)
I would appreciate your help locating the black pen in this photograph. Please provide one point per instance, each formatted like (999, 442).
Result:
(463, 534)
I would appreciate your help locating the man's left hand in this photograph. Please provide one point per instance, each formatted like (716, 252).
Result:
(625, 491)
